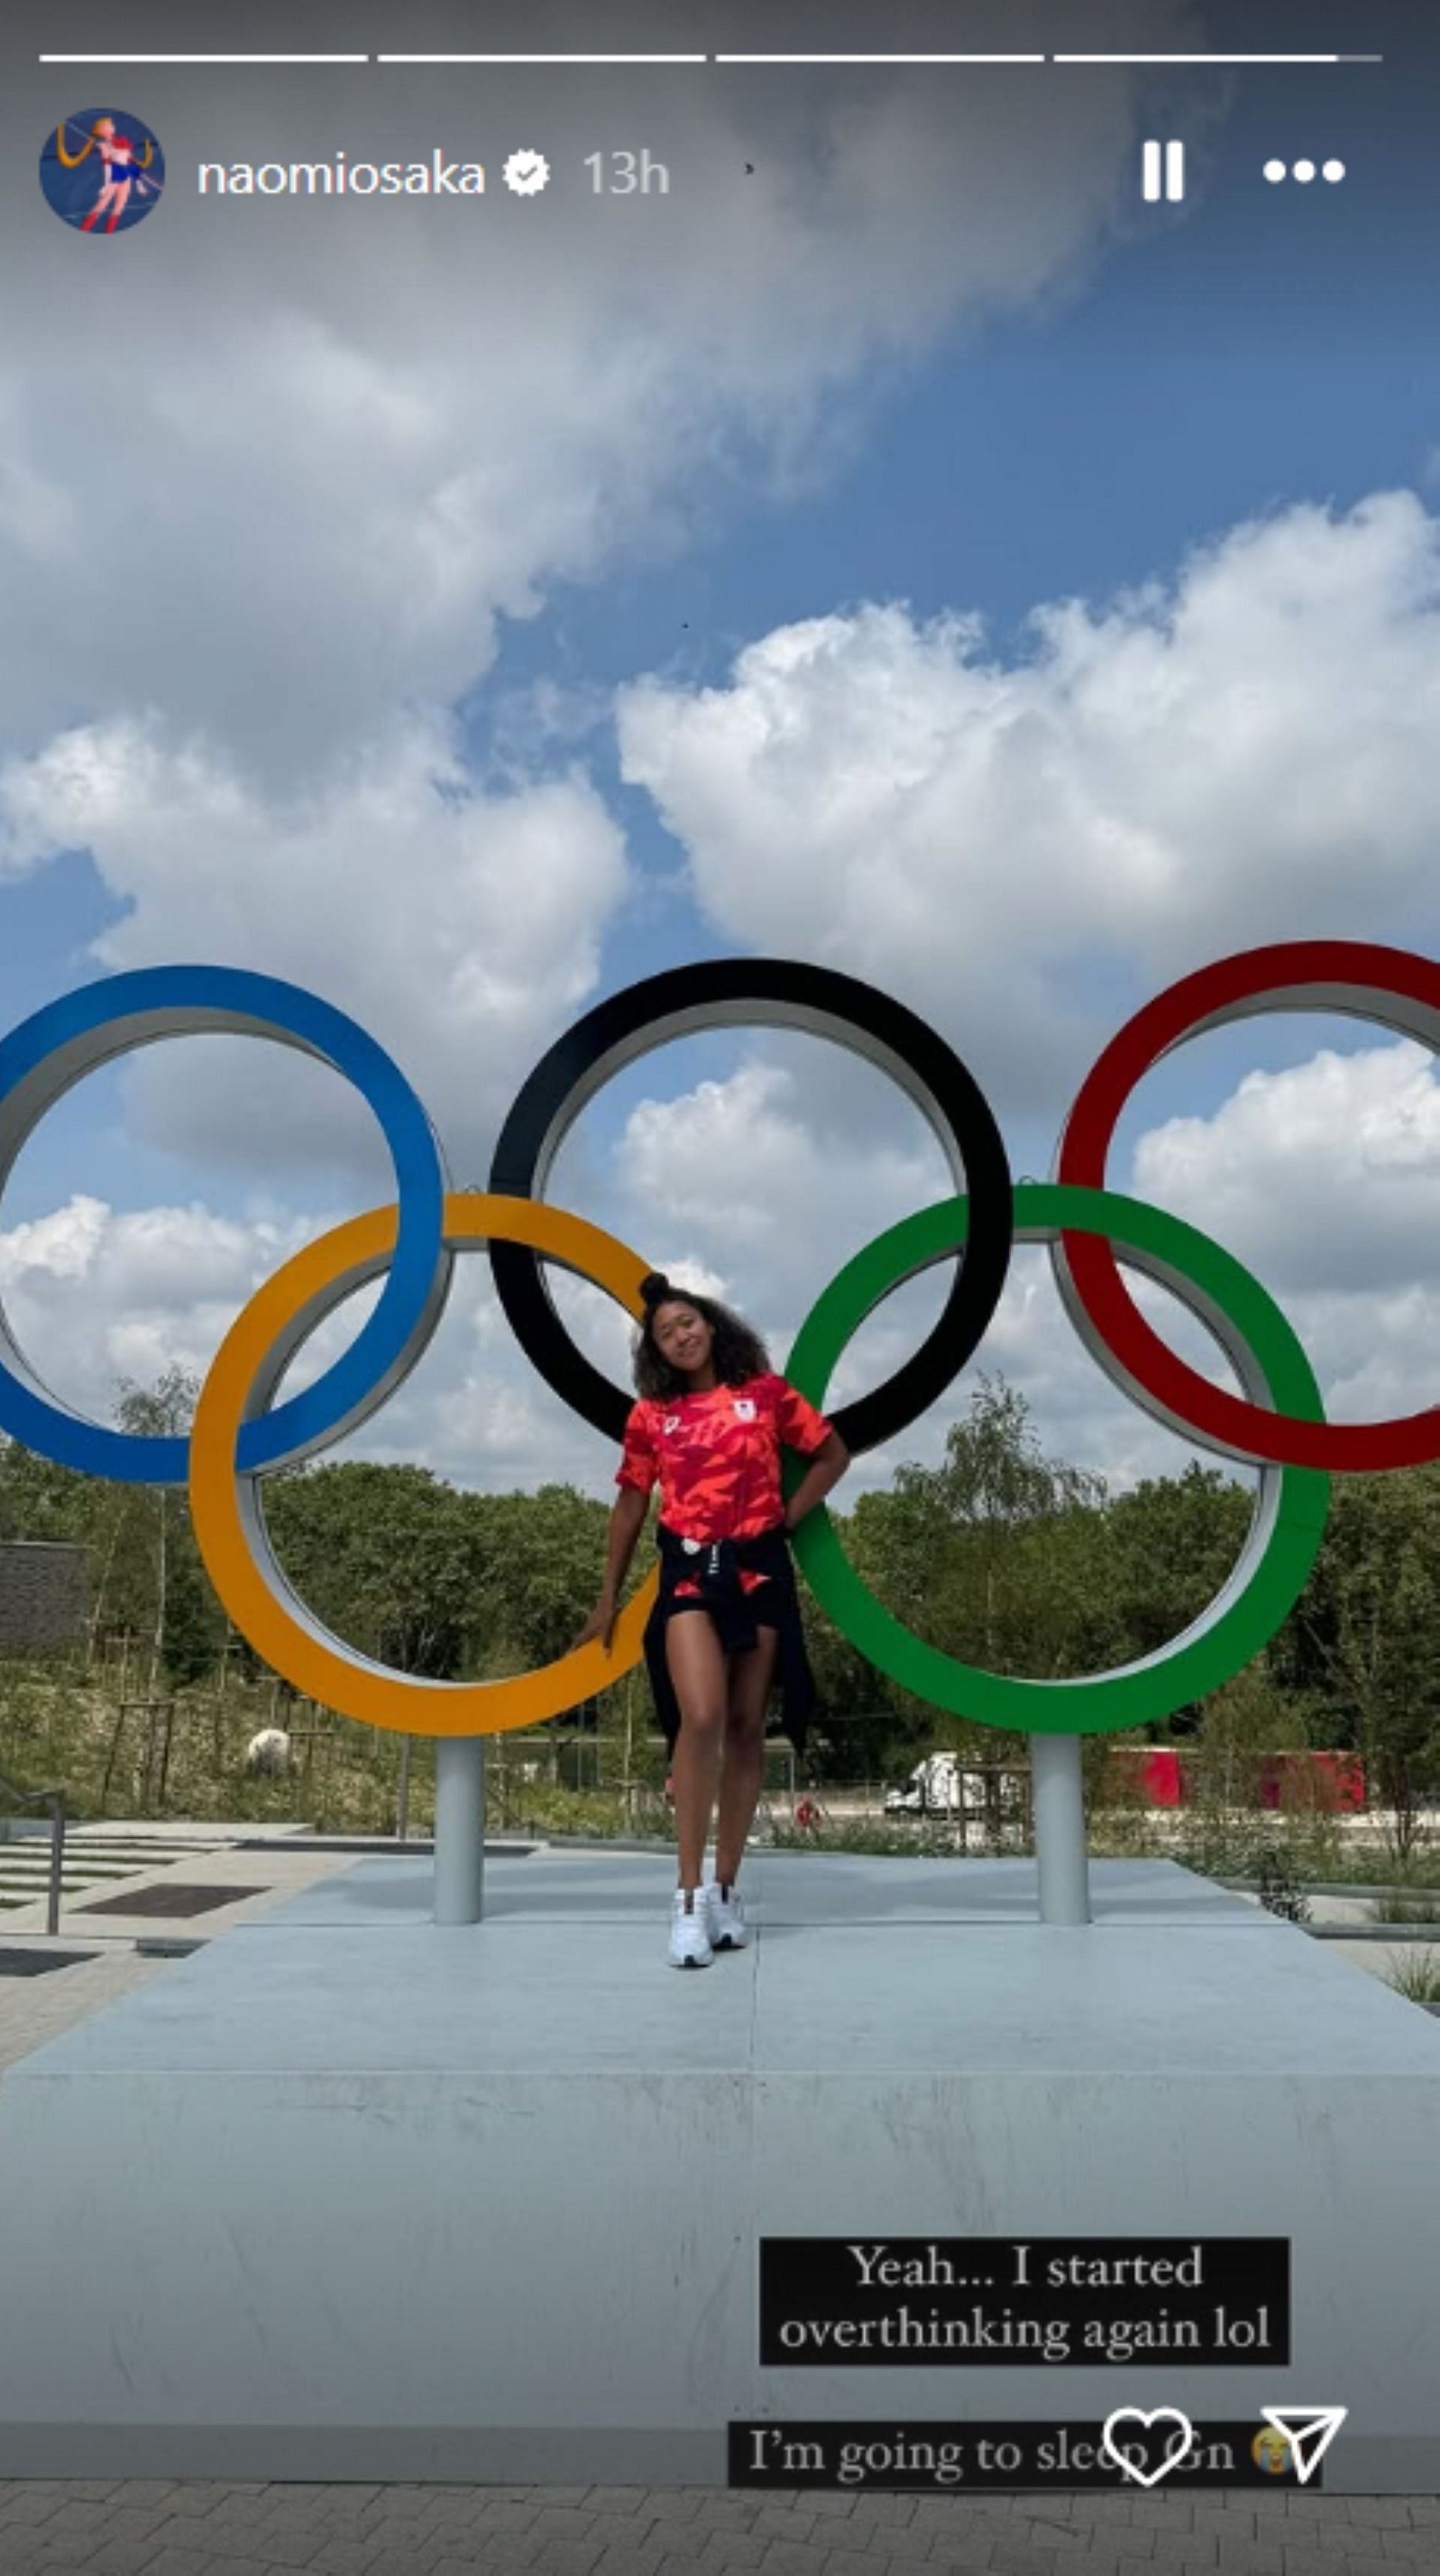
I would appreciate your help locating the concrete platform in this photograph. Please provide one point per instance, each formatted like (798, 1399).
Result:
(345, 2195)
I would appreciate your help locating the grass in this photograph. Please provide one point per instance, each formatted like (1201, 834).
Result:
(930, 1840)
(1407, 1904)
(1418, 1980)
(1370, 1865)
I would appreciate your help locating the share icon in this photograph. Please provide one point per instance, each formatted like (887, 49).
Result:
(1309, 2430)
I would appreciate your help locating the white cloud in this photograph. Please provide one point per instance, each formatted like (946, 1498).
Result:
(750, 1166)
(457, 926)
(348, 437)
(94, 1296)
(1248, 752)
(1325, 1177)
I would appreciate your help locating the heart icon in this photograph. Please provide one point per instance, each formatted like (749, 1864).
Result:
(1181, 2441)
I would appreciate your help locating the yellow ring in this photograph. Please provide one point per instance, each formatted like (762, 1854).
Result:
(231, 1537)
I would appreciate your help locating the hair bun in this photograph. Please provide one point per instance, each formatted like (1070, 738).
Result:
(655, 1288)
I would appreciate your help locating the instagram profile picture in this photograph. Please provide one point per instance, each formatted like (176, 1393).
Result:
(102, 170)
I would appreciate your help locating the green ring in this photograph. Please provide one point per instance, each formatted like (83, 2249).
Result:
(1284, 1536)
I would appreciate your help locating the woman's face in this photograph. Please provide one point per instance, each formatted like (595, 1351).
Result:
(682, 1337)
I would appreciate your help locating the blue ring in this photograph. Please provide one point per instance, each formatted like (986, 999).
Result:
(40, 1060)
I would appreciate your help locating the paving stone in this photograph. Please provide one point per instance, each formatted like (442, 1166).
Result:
(402, 2552)
(508, 2556)
(783, 2522)
(792, 2558)
(21, 2508)
(643, 2556)
(31, 2561)
(1187, 2564)
(504, 2515)
(731, 2513)
(402, 2504)
(76, 2521)
(240, 2566)
(906, 2547)
(121, 2557)
(292, 2545)
(730, 2548)
(562, 2557)
(227, 2542)
(879, 2505)
(166, 2527)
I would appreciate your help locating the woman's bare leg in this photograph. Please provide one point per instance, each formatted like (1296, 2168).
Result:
(744, 1767)
(697, 1669)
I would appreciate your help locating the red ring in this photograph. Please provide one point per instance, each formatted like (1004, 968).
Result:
(1311, 974)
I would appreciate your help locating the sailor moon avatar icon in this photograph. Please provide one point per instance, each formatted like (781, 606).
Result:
(102, 171)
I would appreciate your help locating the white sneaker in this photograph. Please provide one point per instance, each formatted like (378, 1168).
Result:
(725, 1919)
(690, 1933)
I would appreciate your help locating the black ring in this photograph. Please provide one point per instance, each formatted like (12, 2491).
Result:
(768, 992)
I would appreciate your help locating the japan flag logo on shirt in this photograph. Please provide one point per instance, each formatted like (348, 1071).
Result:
(744, 1408)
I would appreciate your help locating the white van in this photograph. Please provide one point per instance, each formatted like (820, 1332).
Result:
(933, 1789)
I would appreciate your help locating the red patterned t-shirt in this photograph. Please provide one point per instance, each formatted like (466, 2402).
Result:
(717, 1456)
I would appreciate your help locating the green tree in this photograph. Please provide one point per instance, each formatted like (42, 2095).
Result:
(1374, 1601)
(388, 1557)
(186, 1623)
(1174, 1541)
(997, 1556)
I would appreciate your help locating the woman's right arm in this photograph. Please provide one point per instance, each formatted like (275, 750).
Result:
(626, 1522)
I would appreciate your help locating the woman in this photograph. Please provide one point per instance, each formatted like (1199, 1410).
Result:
(119, 167)
(710, 1424)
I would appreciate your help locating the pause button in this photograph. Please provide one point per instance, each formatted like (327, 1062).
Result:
(1170, 156)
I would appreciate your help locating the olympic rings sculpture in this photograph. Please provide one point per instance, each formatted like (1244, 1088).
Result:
(237, 1438)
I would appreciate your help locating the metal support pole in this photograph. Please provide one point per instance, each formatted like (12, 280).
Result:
(1060, 1841)
(57, 1863)
(459, 1828)
(402, 1792)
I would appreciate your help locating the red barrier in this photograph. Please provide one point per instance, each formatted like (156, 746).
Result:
(1335, 1782)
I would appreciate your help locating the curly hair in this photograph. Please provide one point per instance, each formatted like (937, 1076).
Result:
(737, 1352)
